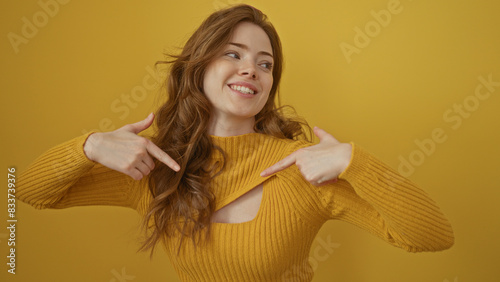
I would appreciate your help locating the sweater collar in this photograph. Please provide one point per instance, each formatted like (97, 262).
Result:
(247, 156)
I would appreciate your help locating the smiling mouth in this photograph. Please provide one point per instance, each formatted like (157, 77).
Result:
(243, 89)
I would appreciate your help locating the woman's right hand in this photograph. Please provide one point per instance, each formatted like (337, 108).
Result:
(124, 151)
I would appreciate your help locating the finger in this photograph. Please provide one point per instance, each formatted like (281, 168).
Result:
(135, 174)
(149, 162)
(281, 165)
(320, 183)
(140, 125)
(142, 168)
(323, 135)
(163, 157)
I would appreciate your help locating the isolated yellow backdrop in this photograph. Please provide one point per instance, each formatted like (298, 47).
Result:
(407, 80)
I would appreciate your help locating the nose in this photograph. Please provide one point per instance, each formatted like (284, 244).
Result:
(247, 69)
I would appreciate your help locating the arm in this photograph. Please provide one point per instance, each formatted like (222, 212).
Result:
(354, 186)
(93, 169)
(64, 177)
(373, 196)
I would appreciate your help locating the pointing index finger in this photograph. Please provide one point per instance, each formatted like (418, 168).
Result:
(163, 157)
(279, 166)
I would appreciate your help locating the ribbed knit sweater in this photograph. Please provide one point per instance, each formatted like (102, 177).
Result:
(275, 245)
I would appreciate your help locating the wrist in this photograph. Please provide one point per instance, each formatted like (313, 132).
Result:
(89, 145)
(347, 153)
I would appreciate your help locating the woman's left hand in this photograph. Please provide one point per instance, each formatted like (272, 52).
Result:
(320, 164)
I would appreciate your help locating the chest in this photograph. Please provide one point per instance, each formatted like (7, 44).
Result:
(256, 237)
(245, 208)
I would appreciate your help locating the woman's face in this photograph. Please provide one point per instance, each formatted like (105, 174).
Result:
(238, 80)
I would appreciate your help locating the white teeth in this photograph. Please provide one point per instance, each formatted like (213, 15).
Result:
(242, 89)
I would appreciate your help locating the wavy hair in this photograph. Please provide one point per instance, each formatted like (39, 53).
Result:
(182, 201)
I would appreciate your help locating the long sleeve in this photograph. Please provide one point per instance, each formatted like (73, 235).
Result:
(373, 196)
(64, 177)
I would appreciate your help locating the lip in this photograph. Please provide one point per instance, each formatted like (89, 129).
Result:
(245, 84)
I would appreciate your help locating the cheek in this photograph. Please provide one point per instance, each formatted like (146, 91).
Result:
(269, 83)
(209, 81)
(219, 73)
(268, 86)
(206, 80)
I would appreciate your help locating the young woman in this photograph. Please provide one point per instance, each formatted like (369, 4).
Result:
(227, 170)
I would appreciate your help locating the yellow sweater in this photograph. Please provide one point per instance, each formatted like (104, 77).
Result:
(275, 245)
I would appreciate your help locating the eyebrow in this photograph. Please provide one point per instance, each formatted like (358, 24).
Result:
(243, 46)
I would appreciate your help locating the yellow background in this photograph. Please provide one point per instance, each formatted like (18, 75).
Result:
(394, 92)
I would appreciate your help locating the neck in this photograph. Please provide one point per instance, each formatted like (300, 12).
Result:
(231, 127)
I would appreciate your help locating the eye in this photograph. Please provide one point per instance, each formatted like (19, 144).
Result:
(268, 66)
(233, 55)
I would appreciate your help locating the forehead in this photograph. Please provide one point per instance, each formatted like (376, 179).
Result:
(252, 36)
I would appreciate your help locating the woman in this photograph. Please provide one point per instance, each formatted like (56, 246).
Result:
(227, 170)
